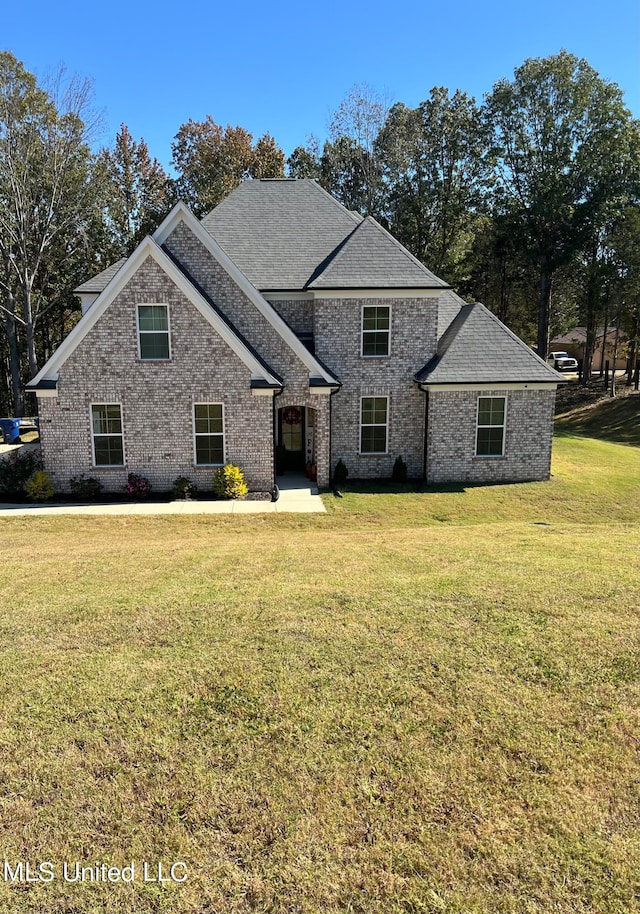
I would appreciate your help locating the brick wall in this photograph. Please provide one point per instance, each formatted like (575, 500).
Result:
(337, 330)
(452, 437)
(298, 313)
(157, 397)
(260, 334)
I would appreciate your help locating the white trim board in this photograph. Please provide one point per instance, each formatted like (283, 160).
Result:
(376, 293)
(182, 213)
(149, 248)
(492, 385)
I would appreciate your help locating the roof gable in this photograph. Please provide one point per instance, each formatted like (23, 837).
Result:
(258, 368)
(477, 348)
(181, 213)
(371, 258)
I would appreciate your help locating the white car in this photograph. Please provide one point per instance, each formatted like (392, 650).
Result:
(562, 361)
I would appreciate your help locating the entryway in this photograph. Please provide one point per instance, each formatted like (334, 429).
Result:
(295, 442)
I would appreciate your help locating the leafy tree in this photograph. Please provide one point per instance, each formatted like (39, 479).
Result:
(212, 161)
(140, 193)
(560, 138)
(435, 172)
(624, 240)
(304, 162)
(268, 159)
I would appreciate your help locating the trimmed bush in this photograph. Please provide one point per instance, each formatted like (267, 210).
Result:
(87, 488)
(38, 487)
(340, 473)
(16, 470)
(183, 488)
(399, 472)
(229, 482)
(137, 486)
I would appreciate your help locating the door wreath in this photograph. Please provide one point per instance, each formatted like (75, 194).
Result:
(291, 415)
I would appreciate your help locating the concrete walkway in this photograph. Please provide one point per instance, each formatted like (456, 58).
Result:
(297, 496)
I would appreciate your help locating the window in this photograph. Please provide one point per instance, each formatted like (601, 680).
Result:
(373, 425)
(106, 434)
(153, 332)
(490, 430)
(375, 331)
(209, 434)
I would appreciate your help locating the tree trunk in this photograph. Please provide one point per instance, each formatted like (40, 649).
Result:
(30, 333)
(604, 337)
(11, 332)
(632, 362)
(544, 309)
(615, 358)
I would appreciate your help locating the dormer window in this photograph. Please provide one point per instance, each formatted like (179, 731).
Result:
(376, 324)
(153, 333)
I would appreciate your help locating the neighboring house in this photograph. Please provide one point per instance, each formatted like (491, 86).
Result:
(574, 343)
(284, 324)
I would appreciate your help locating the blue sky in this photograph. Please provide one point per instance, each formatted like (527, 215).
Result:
(284, 68)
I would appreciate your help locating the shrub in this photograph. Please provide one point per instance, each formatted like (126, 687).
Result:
(16, 469)
(38, 487)
(229, 482)
(183, 488)
(399, 472)
(340, 473)
(137, 486)
(85, 487)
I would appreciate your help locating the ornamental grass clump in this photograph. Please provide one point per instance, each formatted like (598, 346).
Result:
(229, 482)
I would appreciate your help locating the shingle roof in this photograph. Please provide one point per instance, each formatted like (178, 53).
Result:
(101, 280)
(477, 348)
(278, 231)
(449, 304)
(370, 258)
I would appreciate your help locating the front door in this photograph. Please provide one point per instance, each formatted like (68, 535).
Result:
(291, 437)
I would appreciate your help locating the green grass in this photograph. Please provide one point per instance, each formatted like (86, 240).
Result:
(596, 415)
(415, 703)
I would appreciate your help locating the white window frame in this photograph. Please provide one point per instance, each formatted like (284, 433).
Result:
(503, 426)
(373, 425)
(153, 304)
(107, 466)
(197, 435)
(363, 331)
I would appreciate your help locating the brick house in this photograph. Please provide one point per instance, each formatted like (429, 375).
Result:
(283, 325)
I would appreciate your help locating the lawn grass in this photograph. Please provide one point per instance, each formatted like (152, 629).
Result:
(419, 702)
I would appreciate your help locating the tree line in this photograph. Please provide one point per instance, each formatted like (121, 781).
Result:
(527, 201)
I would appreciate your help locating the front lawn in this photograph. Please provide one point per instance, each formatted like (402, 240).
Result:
(415, 703)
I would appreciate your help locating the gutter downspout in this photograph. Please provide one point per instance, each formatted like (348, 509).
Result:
(275, 494)
(335, 391)
(426, 434)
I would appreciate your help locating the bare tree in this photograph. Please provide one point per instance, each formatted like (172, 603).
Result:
(46, 192)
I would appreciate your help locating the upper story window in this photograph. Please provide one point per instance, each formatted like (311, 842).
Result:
(107, 435)
(490, 426)
(376, 324)
(153, 332)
